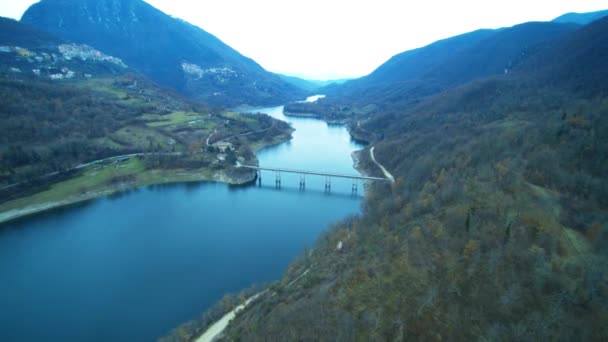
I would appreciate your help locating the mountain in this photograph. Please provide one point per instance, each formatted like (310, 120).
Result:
(309, 85)
(170, 51)
(494, 230)
(448, 63)
(581, 18)
(577, 60)
(453, 61)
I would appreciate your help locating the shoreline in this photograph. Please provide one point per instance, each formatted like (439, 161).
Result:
(178, 176)
(356, 156)
(316, 116)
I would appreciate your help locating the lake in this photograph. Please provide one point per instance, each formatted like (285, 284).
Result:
(133, 266)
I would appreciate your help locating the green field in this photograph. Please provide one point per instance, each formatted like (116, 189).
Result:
(104, 85)
(140, 138)
(175, 118)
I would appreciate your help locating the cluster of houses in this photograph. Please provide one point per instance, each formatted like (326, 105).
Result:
(87, 53)
(46, 62)
(28, 55)
(223, 147)
(65, 74)
(220, 74)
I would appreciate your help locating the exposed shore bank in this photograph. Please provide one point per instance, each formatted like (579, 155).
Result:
(315, 116)
(180, 176)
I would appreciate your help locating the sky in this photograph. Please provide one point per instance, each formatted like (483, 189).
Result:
(331, 39)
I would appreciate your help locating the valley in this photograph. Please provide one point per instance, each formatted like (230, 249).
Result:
(202, 238)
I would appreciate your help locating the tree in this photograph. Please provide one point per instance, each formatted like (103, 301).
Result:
(230, 156)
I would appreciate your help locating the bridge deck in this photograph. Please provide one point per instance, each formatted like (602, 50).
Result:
(306, 172)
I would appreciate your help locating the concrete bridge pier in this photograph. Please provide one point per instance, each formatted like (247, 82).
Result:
(303, 173)
(327, 184)
(278, 180)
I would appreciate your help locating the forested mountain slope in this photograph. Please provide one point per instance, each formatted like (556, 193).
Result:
(409, 76)
(454, 61)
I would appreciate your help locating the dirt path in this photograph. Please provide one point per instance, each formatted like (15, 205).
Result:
(218, 327)
(384, 171)
(210, 135)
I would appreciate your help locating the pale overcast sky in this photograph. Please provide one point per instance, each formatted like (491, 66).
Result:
(324, 39)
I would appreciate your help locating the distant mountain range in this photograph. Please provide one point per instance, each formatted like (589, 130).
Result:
(581, 18)
(310, 85)
(170, 51)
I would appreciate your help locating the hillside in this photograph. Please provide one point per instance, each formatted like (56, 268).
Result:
(576, 61)
(169, 51)
(462, 58)
(11, 33)
(495, 229)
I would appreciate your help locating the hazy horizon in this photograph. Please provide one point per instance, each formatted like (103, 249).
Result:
(342, 39)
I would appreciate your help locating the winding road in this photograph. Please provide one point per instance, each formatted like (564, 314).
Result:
(384, 171)
(238, 135)
(218, 327)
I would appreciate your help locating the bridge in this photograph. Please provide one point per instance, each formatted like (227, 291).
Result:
(303, 173)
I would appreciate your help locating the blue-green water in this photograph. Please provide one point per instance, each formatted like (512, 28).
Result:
(134, 266)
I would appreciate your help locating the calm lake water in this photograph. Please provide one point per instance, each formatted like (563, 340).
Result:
(134, 266)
